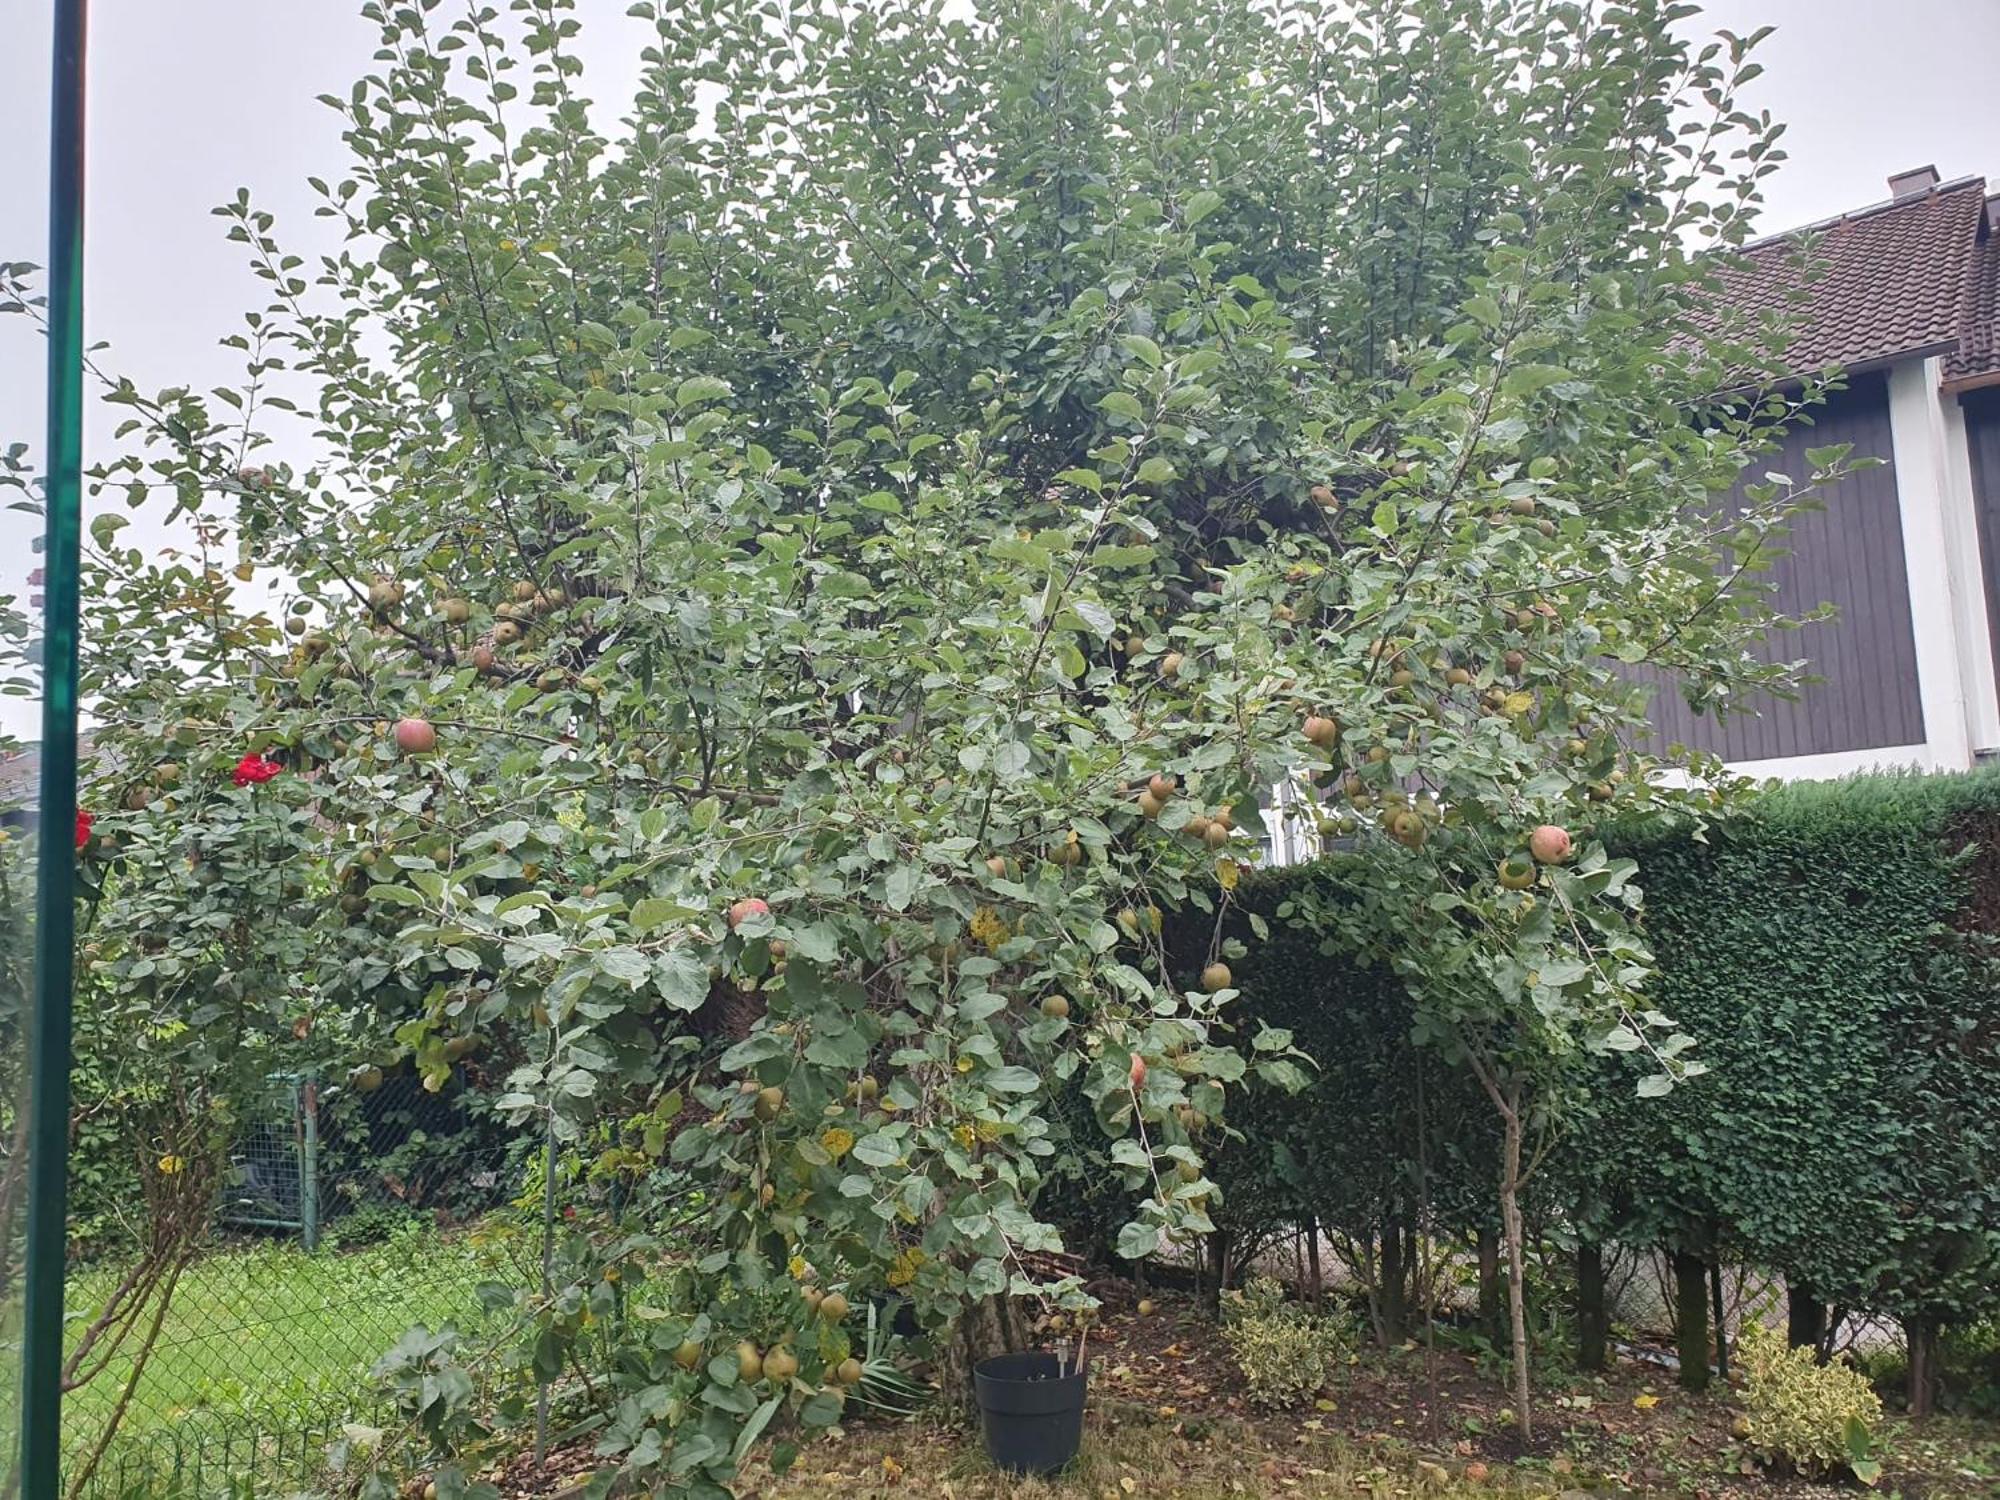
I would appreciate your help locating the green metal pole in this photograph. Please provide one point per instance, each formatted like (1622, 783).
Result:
(55, 917)
(308, 1099)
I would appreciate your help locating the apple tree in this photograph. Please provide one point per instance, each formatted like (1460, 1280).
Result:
(779, 603)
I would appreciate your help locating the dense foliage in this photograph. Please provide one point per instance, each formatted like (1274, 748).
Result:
(1832, 945)
(1835, 951)
(1286, 1353)
(1811, 1418)
(774, 605)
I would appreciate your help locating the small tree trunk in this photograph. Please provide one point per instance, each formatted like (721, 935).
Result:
(1721, 1322)
(1805, 1318)
(1317, 1284)
(1921, 1334)
(1513, 1234)
(1591, 1322)
(1691, 1318)
(1413, 1276)
(1372, 1282)
(1489, 1283)
(1393, 1313)
(988, 1327)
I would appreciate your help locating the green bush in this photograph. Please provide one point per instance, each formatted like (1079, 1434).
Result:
(1833, 953)
(1814, 1418)
(1287, 1353)
(1342, 1153)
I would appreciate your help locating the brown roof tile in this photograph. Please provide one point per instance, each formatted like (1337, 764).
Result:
(1888, 282)
(1976, 361)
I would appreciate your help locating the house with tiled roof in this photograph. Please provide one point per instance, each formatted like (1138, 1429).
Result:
(1903, 298)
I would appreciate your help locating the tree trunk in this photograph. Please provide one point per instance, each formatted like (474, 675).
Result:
(1414, 1306)
(1591, 1322)
(1805, 1318)
(1721, 1321)
(1691, 1318)
(1921, 1334)
(988, 1327)
(1394, 1321)
(1489, 1284)
(1317, 1285)
(1511, 1231)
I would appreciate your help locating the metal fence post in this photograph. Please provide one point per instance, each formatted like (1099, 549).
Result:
(49, 1100)
(308, 1096)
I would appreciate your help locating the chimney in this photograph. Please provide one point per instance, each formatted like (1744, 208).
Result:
(1913, 182)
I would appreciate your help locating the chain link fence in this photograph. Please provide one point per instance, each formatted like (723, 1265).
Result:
(346, 1214)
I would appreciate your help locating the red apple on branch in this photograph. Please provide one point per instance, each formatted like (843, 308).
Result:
(416, 736)
(1549, 844)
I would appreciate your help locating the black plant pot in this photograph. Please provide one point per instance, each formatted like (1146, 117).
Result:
(1031, 1413)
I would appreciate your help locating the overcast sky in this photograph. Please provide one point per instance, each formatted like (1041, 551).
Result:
(192, 98)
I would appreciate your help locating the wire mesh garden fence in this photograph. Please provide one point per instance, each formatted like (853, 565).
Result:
(345, 1214)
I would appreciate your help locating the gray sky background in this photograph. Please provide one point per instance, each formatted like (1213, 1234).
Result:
(192, 98)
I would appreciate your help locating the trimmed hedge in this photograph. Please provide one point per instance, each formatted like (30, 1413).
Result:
(1834, 953)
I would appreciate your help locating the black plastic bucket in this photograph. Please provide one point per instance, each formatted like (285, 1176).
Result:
(1032, 1415)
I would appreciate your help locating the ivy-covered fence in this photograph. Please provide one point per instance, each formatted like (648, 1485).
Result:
(1833, 952)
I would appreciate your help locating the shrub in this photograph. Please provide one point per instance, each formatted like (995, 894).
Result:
(1811, 1417)
(1285, 1351)
(1833, 951)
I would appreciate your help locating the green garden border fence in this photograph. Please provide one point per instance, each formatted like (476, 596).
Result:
(349, 1215)
(274, 1177)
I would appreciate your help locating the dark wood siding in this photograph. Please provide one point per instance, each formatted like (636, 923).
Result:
(1849, 554)
(1982, 436)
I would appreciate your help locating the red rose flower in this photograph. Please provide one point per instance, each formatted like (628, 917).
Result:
(254, 770)
(83, 822)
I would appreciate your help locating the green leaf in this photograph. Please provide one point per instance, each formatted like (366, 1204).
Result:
(682, 979)
(1122, 404)
(1526, 379)
(1143, 348)
(822, 1409)
(1137, 1240)
(1200, 205)
(628, 966)
(697, 389)
(1012, 1080)
(754, 1428)
(879, 1149)
(656, 911)
(1156, 470)
(1094, 615)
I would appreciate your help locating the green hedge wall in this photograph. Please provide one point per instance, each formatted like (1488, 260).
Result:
(1344, 1152)
(1834, 953)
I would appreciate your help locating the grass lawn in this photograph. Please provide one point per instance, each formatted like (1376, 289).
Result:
(264, 1342)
